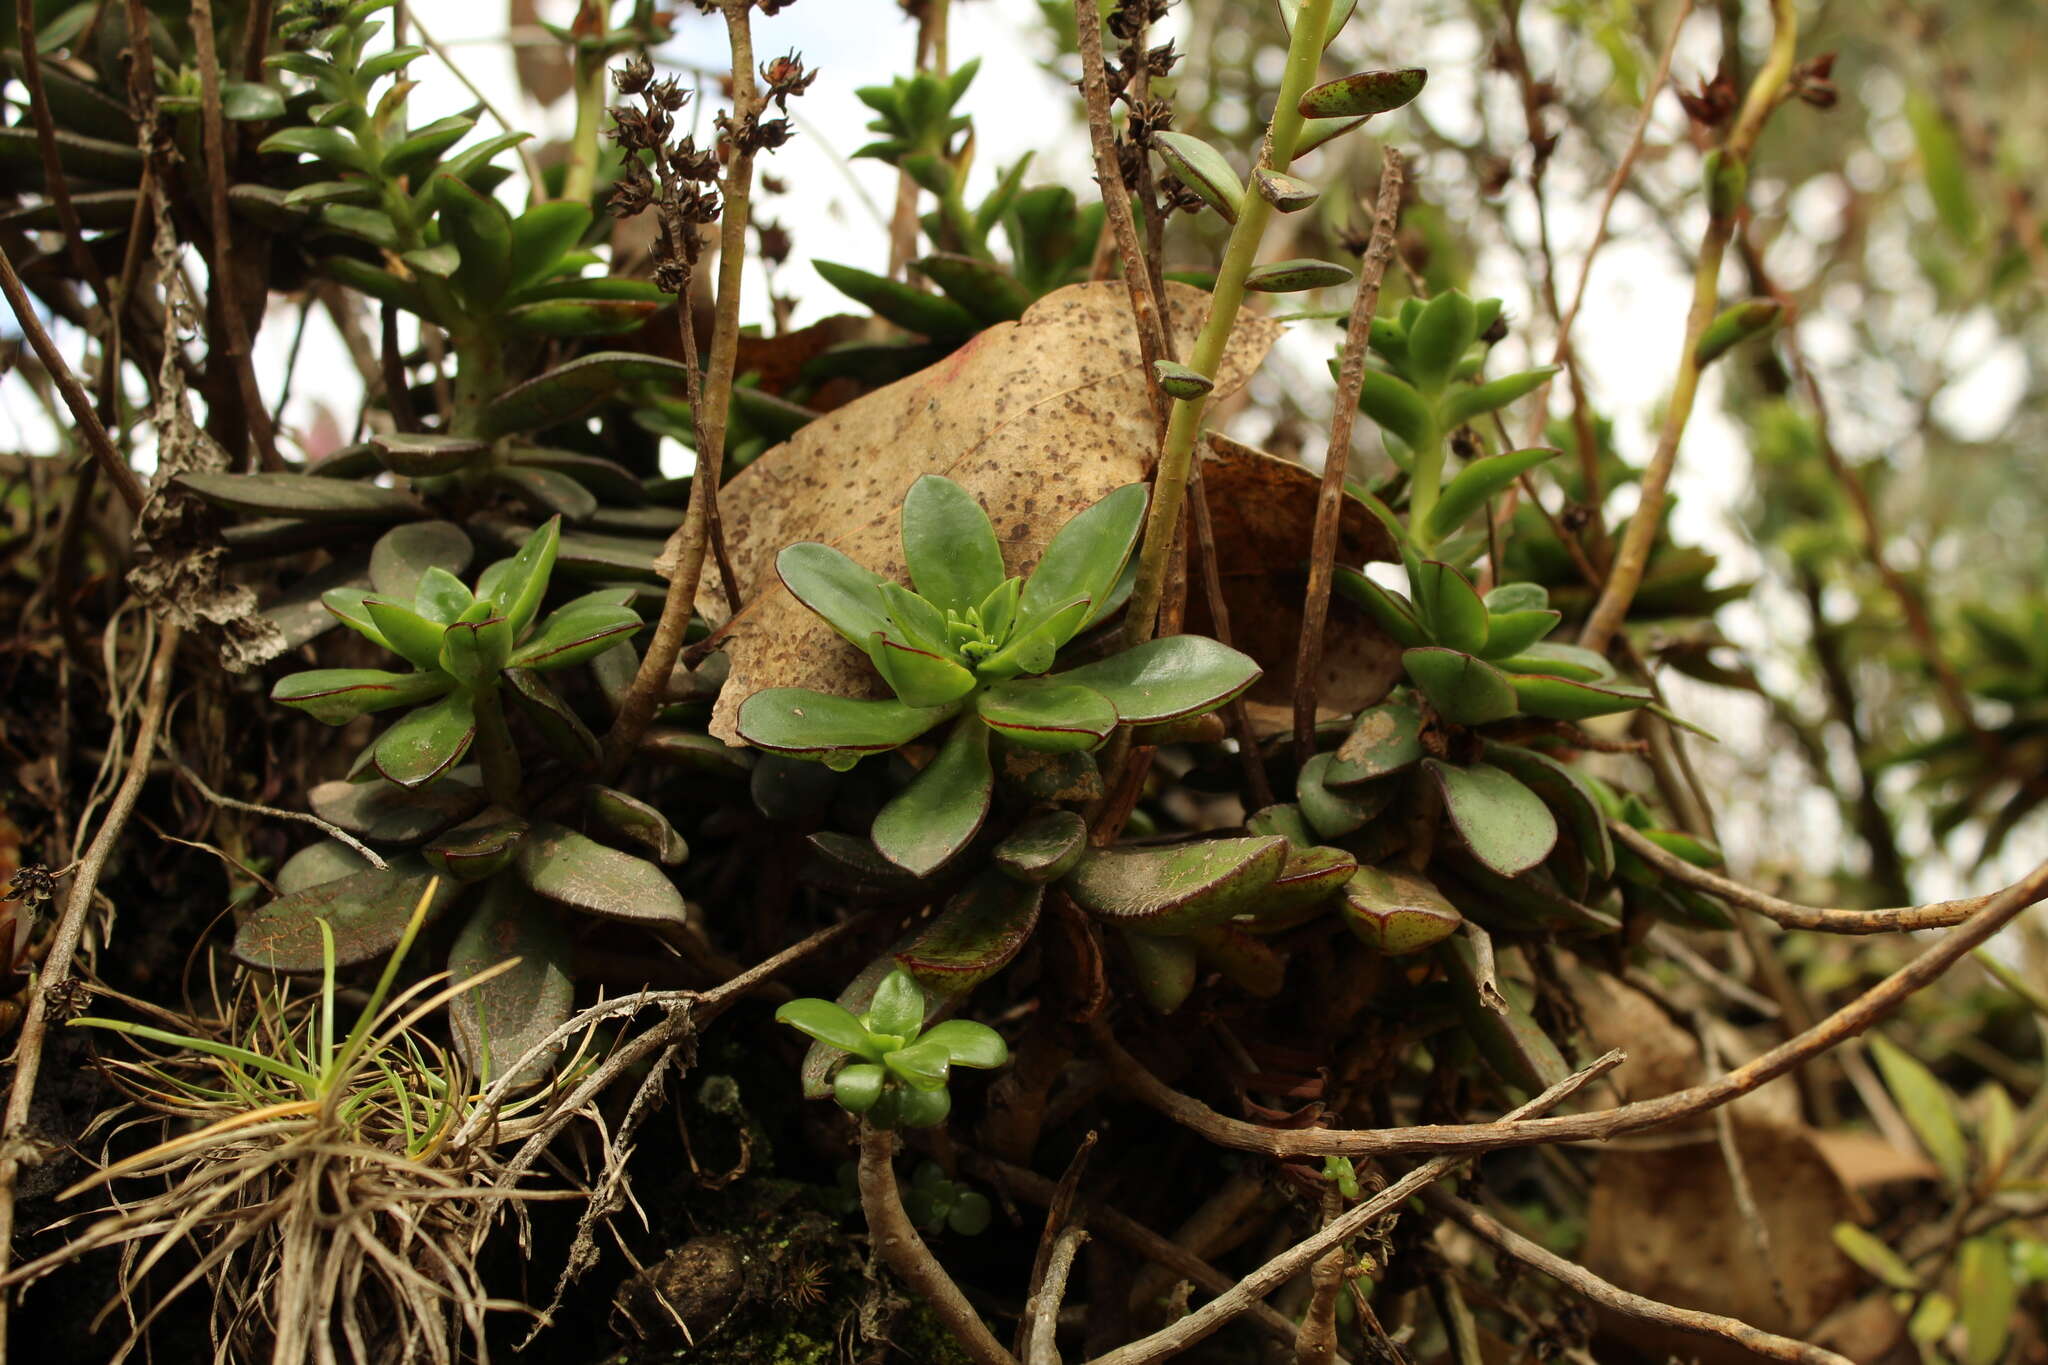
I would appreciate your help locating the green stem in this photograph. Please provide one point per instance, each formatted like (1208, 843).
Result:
(1176, 457)
(1426, 477)
(1611, 611)
(579, 177)
(494, 748)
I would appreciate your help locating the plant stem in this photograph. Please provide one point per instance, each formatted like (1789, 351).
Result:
(1322, 567)
(688, 547)
(494, 747)
(1170, 478)
(903, 1251)
(579, 176)
(1634, 555)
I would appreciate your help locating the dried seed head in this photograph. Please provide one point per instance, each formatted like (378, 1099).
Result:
(633, 77)
(785, 77)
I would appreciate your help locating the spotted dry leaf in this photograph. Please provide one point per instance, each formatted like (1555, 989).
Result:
(1038, 419)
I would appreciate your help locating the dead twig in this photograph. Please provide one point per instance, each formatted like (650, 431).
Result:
(895, 1240)
(1322, 570)
(1845, 1023)
(1169, 1341)
(1590, 1286)
(52, 983)
(1898, 920)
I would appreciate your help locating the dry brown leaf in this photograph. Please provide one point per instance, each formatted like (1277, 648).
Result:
(1262, 509)
(1038, 419)
(1665, 1224)
(544, 70)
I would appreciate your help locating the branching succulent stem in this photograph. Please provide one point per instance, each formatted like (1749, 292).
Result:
(1176, 457)
(1630, 560)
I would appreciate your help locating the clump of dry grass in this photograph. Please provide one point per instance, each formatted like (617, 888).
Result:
(325, 1182)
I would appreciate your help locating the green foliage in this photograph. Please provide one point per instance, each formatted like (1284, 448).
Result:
(896, 1068)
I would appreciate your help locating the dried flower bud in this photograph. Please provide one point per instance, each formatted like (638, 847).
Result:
(786, 77)
(633, 77)
(775, 242)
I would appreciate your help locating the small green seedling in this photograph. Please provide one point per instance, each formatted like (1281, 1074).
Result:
(900, 1068)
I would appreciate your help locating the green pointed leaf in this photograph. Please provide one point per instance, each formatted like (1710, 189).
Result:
(579, 317)
(830, 1024)
(1034, 646)
(1517, 597)
(440, 597)
(942, 809)
(911, 309)
(836, 588)
(1086, 555)
(1202, 169)
(330, 145)
(513, 1012)
(1988, 1294)
(912, 620)
(1363, 94)
(1385, 739)
(316, 864)
(1439, 337)
(474, 653)
(404, 553)
(1167, 678)
(564, 866)
(1042, 849)
(366, 911)
(1464, 690)
(1563, 699)
(1567, 795)
(1504, 824)
(1452, 610)
(1165, 968)
(390, 814)
(1292, 277)
(796, 720)
(410, 634)
(1391, 610)
(1307, 881)
(295, 495)
(1395, 406)
(1474, 484)
(1047, 713)
(998, 609)
(477, 847)
(982, 287)
(379, 284)
(426, 743)
(629, 817)
(949, 546)
(1508, 633)
(1394, 912)
(1874, 1256)
(1332, 814)
(1318, 132)
(335, 696)
(518, 584)
(1928, 1107)
(857, 1087)
(250, 102)
(980, 931)
(572, 389)
(1554, 660)
(481, 230)
(1462, 405)
(898, 1007)
(574, 634)
(546, 492)
(1175, 888)
(417, 152)
(922, 1065)
(918, 677)
(541, 236)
